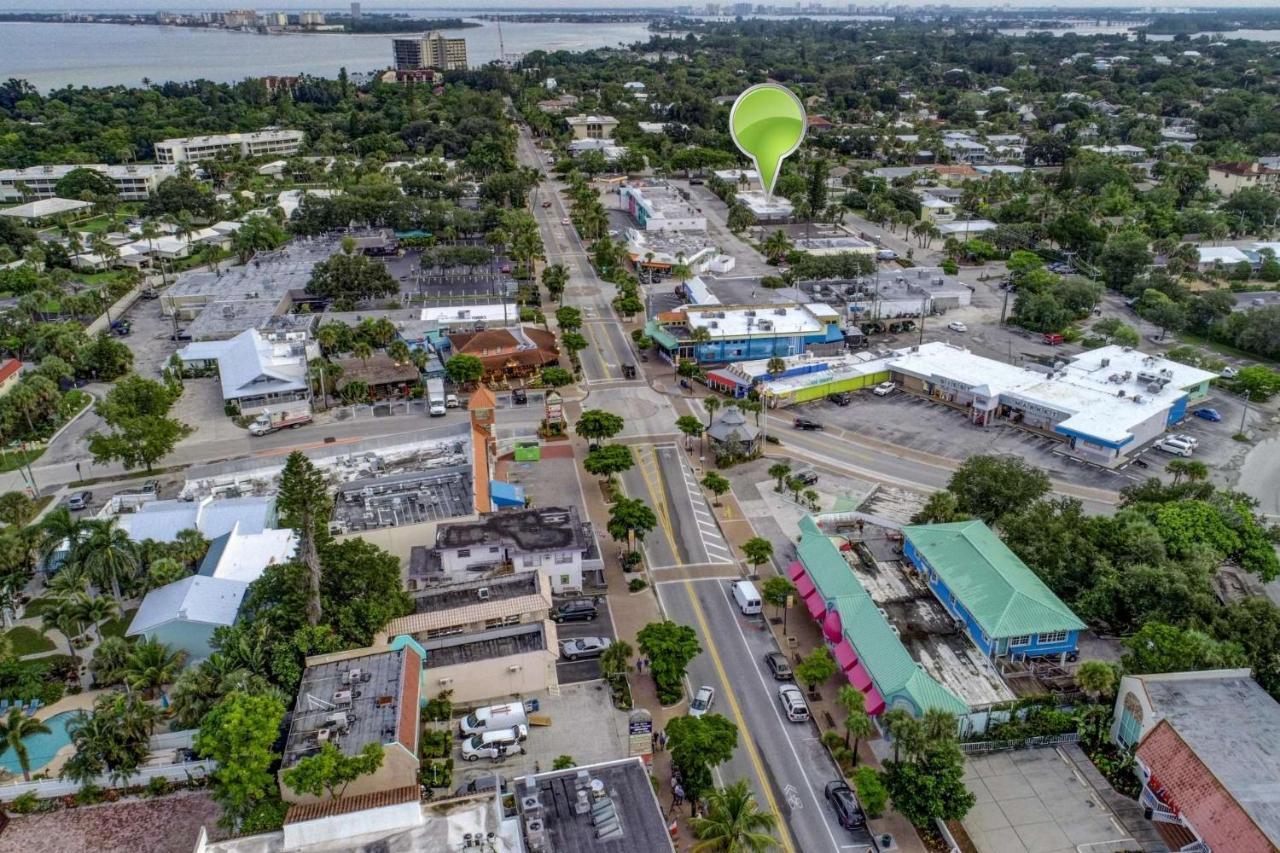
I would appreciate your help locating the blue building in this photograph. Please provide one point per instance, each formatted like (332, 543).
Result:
(719, 334)
(1006, 609)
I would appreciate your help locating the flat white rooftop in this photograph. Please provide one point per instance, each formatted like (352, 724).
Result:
(751, 320)
(452, 315)
(761, 205)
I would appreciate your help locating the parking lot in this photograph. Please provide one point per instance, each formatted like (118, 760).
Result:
(584, 726)
(575, 672)
(149, 337)
(1034, 801)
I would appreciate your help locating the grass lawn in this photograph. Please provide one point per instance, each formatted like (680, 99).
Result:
(72, 403)
(116, 627)
(1223, 349)
(11, 460)
(28, 641)
(36, 608)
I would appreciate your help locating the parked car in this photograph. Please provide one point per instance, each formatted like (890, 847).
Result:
(886, 255)
(546, 204)
(957, 326)
(583, 647)
(884, 389)
(845, 805)
(779, 666)
(79, 500)
(1209, 414)
(702, 700)
(840, 399)
(793, 704)
(1175, 447)
(805, 423)
(180, 335)
(121, 328)
(1186, 439)
(495, 744)
(808, 476)
(565, 221)
(578, 610)
(1229, 373)
(151, 487)
(519, 397)
(150, 293)
(1053, 339)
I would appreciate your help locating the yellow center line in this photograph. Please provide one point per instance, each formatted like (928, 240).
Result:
(656, 496)
(743, 731)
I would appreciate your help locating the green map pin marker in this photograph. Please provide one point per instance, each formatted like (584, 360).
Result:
(767, 123)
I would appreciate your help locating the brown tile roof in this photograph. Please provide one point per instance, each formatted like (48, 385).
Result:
(963, 170)
(1187, 786)
(349, 805)
(1244, 169)
(376, 370)
(410, 701)
(498, 348)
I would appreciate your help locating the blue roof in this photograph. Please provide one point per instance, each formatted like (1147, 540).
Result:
(503, 493)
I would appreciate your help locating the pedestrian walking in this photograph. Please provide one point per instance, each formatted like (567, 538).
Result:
(662, 739)
(678, 791)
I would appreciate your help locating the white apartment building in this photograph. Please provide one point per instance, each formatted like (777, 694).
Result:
(193, 149)
(592, 127)
(432, 50)
(133, 182)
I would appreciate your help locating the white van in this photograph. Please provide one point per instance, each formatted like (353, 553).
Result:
(494, 717)
(495, 744)
(747, 597)
(1175, 446)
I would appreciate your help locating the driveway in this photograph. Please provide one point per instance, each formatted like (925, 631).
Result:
(573, 672)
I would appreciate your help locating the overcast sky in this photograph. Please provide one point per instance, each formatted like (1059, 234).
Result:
(427, 7)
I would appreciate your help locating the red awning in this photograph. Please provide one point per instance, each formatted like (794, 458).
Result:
(873, 702)
(845, 655)
(805, 587)
(859, 677)
(796, 570)
(816, 606)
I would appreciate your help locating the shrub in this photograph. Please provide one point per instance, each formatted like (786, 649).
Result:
(872, 793)
(25, 803)
(637, 584)
(157, 787)
(89, 795)
(436, 743)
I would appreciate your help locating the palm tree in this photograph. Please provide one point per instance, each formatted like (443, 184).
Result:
(109, 556)
(362, 351)
(734, 823)
(13, 729)
(1096, 678)
(711, 404)
(615, 660)
(857, 723)
(151, 665)
(189, 546)
(92, 610)
(1194, 471)
(776, 245)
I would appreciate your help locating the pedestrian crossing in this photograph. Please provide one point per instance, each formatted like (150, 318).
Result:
(717, 550)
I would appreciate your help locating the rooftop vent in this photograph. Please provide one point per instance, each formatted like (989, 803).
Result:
(483, 593)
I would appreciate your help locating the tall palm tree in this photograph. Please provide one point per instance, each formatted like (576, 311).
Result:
(109, 556)
(711, 404)
(92, 610)
(734, 823)
(13, 729)
(151, 665)
(189, 546)
(57, 527)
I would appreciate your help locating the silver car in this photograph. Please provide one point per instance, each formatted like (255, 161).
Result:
(583, 647)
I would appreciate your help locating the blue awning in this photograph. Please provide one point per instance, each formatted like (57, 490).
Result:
(505, 494)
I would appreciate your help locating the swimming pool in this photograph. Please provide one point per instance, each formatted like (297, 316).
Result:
(41, 748)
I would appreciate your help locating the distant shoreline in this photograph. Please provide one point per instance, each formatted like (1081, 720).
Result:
(121, 20)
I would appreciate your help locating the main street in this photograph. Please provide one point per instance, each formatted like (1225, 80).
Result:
(610, 347)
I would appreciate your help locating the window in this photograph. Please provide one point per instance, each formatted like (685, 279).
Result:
(493, 549)
(564, 580)
(1051, 637)
(445, 632)
(464, 552)
(564, 557)
(532, 560)
(1130, 728)
(1024, 640)
(510, 619)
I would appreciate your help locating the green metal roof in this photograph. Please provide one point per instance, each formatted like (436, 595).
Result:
(878, 647)
(1005, 597)
(664, 338)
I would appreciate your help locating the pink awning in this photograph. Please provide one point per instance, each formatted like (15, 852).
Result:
(845, 655)
(831, 626)
(796, 570)
(873, 702)
(859, 677)
(816, 606)
(805, 587)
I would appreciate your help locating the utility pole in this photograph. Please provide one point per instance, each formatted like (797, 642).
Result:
(923, 300)
(1005, 306)
(1248, 395)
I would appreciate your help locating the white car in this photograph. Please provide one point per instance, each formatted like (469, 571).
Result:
(702, 700)
(565, 221)
(793, 704)
(1229, 373)
(583, 647)
(884, 389)
(1186, 439)
(1175, 447)
(957, 326)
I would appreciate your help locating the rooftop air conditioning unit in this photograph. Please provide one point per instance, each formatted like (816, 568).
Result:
(483, 593)
(713, 325)
(1137, 398)
(1120, 393)
(446, 681)
(781, 312)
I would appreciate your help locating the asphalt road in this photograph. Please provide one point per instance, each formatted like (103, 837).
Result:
(784, 762)
(610, 347)
(687, 533)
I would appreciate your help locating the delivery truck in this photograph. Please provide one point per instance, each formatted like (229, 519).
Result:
(435, 397)
(289, 416)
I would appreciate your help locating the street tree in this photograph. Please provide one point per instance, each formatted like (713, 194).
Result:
(872, 794)
(779, 472)
(1257, 382)
(669, 647)
(776, 590)
(137, 442)
(697, 745)
(758, 551)
(464, 369)
(816, 668)
(930, 786)
(330, 771)
(596, 425)
(304, 504)
(608, 459)
(857, 722)
(716, 484)
(734, 823)
(1123, 257)
(238, 734)
(629, 520)
(556, 377)
(573, 343)
(569, 319)
(691, 426)
(1195, 471)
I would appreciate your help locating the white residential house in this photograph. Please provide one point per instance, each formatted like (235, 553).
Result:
(255, 371)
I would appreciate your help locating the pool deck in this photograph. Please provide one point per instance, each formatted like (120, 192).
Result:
(78, 702)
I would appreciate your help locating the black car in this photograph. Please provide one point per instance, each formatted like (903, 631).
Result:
(841, 399)
(779, 666)
(578, 610)
(519, 397)
(805, 423)
(845, 804)
(808, 476)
